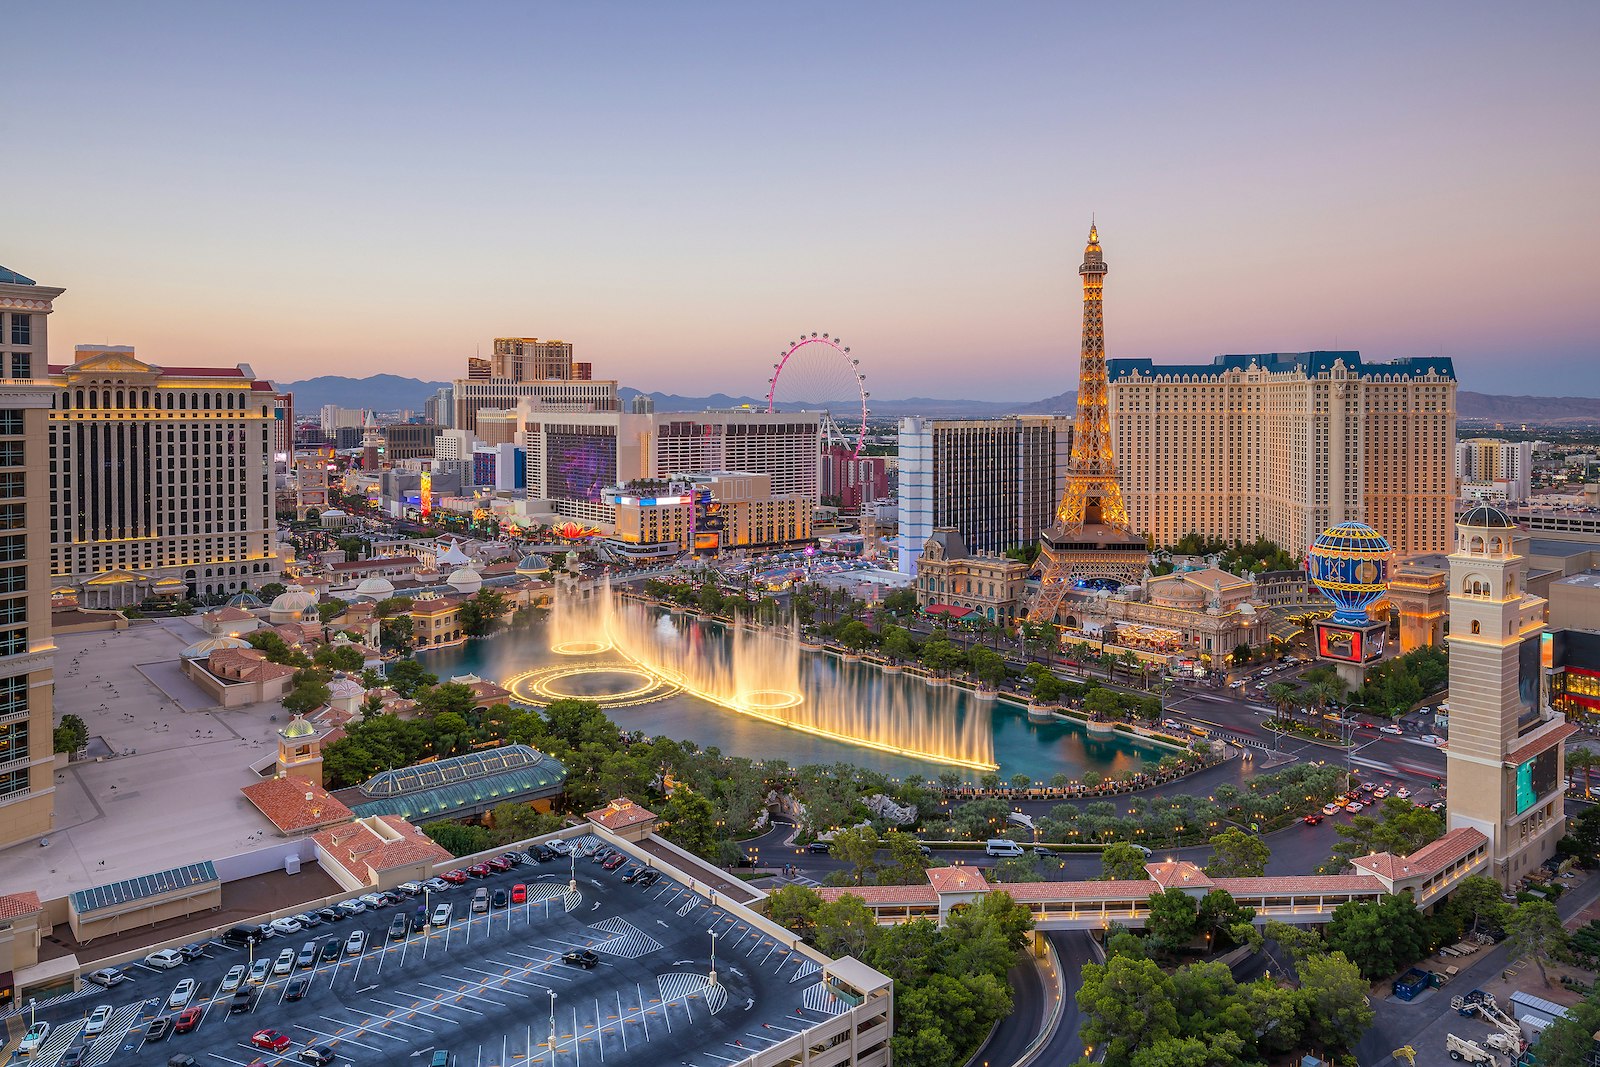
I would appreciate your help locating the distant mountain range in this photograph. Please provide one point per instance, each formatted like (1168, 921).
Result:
(390, 392)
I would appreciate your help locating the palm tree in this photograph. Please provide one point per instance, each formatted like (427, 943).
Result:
(1284, 695)
(1583, 759)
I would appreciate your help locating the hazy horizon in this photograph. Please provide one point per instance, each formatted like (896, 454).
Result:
(348, 189)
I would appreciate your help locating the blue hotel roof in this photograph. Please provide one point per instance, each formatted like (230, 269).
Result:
(1311, 363)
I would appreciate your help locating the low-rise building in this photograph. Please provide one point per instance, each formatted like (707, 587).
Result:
(949, 576)
(436, 621)
(710, 511)
(1419, 595)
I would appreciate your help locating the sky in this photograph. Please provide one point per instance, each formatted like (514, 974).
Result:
(680, 189)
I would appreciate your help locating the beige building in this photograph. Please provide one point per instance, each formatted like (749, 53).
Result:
(159, 473)
(1575, 602)
(1507, 768)
(1285, 445)
(1204, 614)
(992, 587)
(710, 511)
(527, 370)
(27, 674)
(1419, 591)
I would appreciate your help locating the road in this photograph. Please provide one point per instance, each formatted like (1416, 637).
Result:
(1030, 1000)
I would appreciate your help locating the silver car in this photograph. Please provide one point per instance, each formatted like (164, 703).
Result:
(232, 980)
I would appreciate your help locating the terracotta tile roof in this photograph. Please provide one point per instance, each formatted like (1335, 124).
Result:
(619, 814)
(15, 904)
(376, 563)
(228, 614)
(1532, 749)
(1291, 884)
(957, 879)
(437, 606)
(1036, 892)
(1427, 860)
(1181, 873)
(883, 894)
(283, 800)
(361, 849)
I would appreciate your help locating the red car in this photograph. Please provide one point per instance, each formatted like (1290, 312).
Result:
(479, 870)
(519, 894)
(615, 861)
(187, 1020)
(455, 877)
(270, 1040)
(1312, 819)
(500, 863)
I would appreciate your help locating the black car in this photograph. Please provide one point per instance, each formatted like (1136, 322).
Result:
(544, 854)
(320, 1055)
(309, 919)
(330, 915)
(244, 1000)
(819, 848)
(600, 855)
(581, 957)
(399, 928)
(650, 877)
(158, 1029)
(530, 857)
(632, 874)
(330, 950)
(297, 988)
(182, 1059)
(73, 1057)
(500, 899)
(242, 935)
(193, 950)
(390, 899)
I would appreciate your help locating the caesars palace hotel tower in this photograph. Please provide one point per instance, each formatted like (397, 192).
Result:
(1507, 770)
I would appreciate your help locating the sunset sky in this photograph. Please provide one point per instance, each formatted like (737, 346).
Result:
(680, 188)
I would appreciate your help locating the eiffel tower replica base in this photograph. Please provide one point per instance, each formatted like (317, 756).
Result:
(1092, 551)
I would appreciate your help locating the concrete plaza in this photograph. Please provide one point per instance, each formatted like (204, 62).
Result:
(164, 790)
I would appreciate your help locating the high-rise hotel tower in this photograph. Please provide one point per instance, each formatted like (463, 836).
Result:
(1285, 445)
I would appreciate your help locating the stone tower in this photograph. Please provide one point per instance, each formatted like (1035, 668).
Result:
(1507, 770)
(300, 751)
(1091, 537)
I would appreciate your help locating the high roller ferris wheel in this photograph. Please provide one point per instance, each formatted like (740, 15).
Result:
(818, 373)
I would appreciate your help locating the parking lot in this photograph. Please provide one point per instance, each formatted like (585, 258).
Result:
(481, 986)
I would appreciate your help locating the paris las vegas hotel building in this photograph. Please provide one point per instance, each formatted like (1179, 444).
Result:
(1285, 445)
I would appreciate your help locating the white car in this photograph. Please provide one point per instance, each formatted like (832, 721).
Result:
(410, 888)
(34, 1038)
(559, 846)
(232, 981)
(284, 963)
(1403, 793)
(287, 925)
(1433, 739)
(355, 943)
(97, 1020)
(1390, 728)
(165, 960)
(182, 993)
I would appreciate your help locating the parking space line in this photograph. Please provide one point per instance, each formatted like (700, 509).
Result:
(458, 993)
(337, 1037)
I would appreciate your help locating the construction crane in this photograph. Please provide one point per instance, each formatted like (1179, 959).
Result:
(1407, 1053)
(1509, 1039)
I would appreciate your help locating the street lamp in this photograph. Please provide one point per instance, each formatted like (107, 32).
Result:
(552, 1026)
(713, 975)
(572, 886)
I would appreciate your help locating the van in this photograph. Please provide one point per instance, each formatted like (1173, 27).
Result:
(1000, 846)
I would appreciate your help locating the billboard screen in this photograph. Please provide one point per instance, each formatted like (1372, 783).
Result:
(580, 462)
(1535, 779)
(1528, 659)
(1349, 644)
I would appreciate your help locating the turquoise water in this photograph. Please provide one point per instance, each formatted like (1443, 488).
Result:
(1020, 747)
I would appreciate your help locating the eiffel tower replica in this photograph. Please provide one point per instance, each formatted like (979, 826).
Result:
(1091, 537)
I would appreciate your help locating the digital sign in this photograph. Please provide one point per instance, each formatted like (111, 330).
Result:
(1350, 644)
(1535, 779)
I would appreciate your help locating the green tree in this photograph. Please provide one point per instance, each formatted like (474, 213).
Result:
(1379, 937)
(407, 675)
(1222, 1049)
(857, 846)
(1283, 696)
(515, 822)
(854, 635)
(331, 609)
(845, 927)
(1120, 861)
(901, 603)
(1534, 931)
(1580, 761)
(1335, 991)
(940, 656)
(484, 613)
(1017, 869)
(1127, 1005)
(457, 839)
(1225, 917)
(1567, 1042)
(906, 864)
(1236, 854)
(339, 658)
(1586, 835)
(794, 907)
(690, 822)
(897, 644)
(1475, 904)
(72, 735)
(309, 692)
(453, 697)
(1277, 1014)
(1173, 918)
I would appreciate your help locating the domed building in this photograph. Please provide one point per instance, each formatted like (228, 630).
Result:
(203, 649)
(345, 693)
(533, 565)
(246, 601)
(334, 519)
(375, 588)
(465, 581)
(292, 605)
